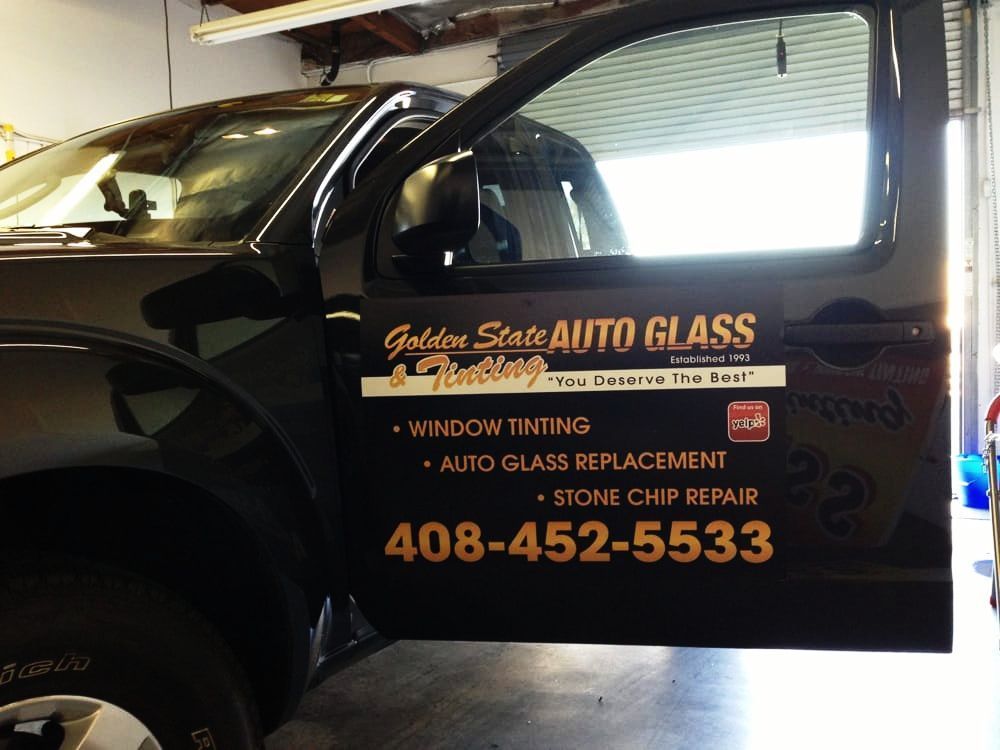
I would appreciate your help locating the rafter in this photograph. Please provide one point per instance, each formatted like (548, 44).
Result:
(393, 30)
(375, 35)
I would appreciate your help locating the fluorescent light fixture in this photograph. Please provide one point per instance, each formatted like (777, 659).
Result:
(234, 136)
(266, 131)
(284, 17)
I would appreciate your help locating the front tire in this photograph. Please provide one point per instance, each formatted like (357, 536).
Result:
(73, 640)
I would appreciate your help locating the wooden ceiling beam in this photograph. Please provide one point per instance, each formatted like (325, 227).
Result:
(357, 43)
(513, 20)
(314, 46)
(376, 35)
(386, 26)
(393, 30)
(363, 45)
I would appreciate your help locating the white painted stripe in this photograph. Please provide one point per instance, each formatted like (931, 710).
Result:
(666, 379)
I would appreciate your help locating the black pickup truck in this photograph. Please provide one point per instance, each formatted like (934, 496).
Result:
(644, 342)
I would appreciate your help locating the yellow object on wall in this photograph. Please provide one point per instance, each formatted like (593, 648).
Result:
(8, 139)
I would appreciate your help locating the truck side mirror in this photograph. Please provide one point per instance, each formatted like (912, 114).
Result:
(437, 208)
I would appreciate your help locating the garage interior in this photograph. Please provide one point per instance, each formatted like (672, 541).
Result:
(73, 65)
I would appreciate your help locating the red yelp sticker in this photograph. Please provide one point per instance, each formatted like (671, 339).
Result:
(749, 421)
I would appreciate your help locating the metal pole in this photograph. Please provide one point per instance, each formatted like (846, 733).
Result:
(990, 461)
(967, 392)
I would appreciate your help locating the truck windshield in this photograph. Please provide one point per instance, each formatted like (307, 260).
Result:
(200, 175)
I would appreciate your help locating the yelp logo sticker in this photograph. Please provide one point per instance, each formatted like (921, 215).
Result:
(749, 421)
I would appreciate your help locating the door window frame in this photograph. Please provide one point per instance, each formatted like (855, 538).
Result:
(563, 58)
(358, 162)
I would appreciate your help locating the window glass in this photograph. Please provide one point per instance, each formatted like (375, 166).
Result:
(204, 174)
(741, 137)
(391, 141)
(83, 205)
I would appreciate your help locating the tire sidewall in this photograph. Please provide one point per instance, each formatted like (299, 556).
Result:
(155, 661)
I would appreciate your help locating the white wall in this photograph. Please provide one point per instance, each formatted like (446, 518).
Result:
(72, 65)
(985, 279)
(461, 68)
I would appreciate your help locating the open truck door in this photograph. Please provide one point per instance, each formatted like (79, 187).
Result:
(645, 341)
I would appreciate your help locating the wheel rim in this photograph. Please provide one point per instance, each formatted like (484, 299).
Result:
(73, 722)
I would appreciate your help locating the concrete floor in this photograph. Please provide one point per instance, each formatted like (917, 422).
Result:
(500, 695)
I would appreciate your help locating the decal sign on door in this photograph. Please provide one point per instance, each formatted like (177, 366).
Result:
(550, 435)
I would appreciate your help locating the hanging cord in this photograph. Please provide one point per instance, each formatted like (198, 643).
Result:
(991, 155)
(781, 51)
(330, 75)
(170, 68)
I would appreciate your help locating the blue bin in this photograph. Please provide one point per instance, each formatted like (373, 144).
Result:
(973, 482)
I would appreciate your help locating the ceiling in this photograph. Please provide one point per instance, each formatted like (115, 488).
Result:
(420, 27)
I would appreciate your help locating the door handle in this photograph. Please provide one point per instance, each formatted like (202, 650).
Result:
(859, 334)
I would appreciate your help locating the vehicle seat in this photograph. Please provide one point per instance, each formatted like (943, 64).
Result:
(498, 240)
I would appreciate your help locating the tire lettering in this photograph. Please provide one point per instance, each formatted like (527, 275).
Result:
(35, 669)
(203, 739)
(70, 661)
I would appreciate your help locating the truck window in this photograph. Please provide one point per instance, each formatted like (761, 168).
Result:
(540, 193)
(394, 138)
(199, 175)
(699, 142)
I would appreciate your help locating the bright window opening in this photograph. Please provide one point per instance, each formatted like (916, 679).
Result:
(737, 138)
(783, 195)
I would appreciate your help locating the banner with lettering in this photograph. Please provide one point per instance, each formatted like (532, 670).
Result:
(561, 441)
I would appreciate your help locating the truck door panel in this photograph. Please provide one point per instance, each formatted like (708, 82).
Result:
(629, 411)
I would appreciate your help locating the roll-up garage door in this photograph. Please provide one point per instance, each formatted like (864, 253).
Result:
(704, 81)
(706, 90)
(954, 38)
